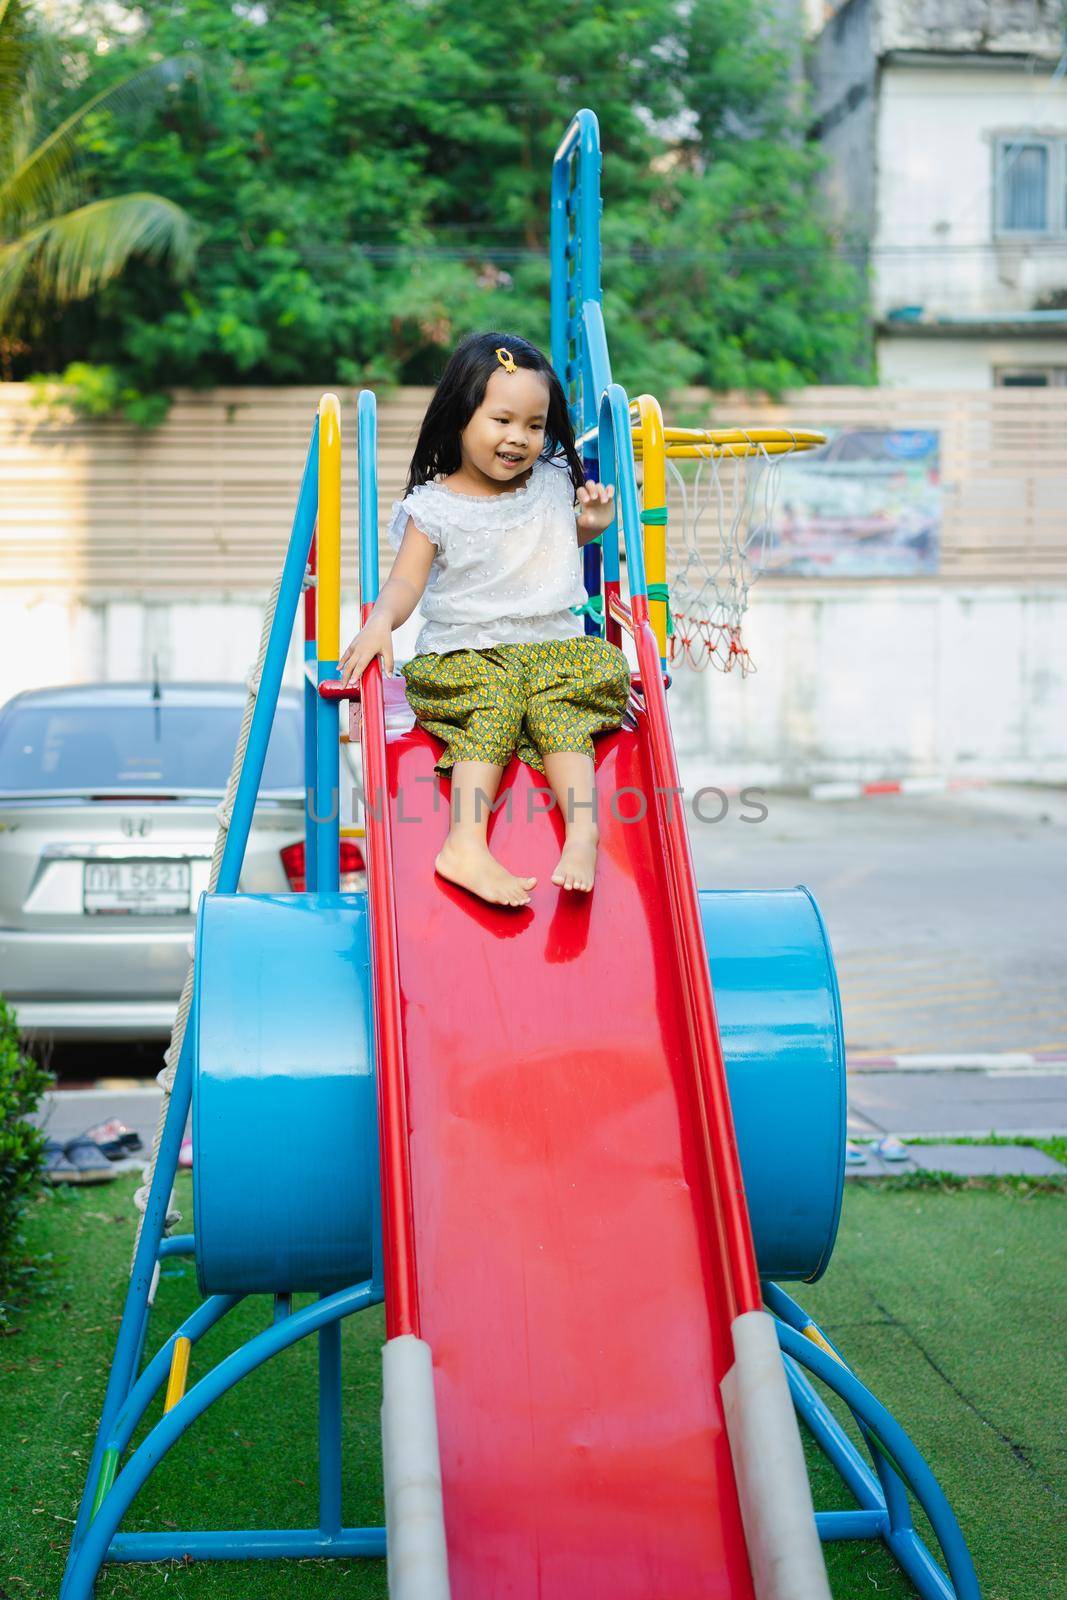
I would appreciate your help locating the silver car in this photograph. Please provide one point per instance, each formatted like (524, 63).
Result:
(107, 825)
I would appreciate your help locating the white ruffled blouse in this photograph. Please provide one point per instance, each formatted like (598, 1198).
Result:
(508, 566)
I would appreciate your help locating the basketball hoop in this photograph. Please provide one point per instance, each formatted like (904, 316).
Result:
(727, 502)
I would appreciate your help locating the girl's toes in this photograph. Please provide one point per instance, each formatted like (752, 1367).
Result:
(575, 868)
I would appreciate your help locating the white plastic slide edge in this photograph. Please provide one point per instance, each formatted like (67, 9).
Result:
(784, 1550)
(416, 1551)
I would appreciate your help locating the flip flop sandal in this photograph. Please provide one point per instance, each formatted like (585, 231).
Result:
(889, 1148)
(855, 1155)
(79, 1161)
(114, 1138)
(53, 1158)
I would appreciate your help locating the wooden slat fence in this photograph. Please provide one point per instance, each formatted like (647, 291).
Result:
(202, 505)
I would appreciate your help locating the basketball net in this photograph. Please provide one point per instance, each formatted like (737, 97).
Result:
(726, 493)
(727, 524)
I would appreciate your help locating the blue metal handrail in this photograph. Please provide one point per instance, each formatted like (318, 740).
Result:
(579, 342)
(367, 461)
(615, 449)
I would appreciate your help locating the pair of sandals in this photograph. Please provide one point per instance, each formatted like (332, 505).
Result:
(887, 1148)
(91, 1156)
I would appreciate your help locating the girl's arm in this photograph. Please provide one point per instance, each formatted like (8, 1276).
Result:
(397, 599)
(594, 510)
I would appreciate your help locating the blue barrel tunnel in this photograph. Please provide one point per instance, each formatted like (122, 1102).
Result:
(284, 1109)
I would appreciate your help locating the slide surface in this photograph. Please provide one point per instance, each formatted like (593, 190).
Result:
(568, 1275)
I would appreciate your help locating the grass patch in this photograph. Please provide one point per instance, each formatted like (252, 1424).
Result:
(1023, 1185)
(948, 1304)
(251, 1460)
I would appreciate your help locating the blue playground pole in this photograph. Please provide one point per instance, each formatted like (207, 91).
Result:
(579, 342)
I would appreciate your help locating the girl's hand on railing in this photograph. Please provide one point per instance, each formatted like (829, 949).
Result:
(375, 638)
(594, 510)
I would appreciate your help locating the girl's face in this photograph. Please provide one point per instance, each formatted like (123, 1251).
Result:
(506, 434)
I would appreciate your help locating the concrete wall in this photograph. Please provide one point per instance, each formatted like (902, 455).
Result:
(901, 681)
(70, 638)
(961, 363)
(852, 681)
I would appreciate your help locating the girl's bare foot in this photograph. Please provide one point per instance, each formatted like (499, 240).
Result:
(469, 863)
(577, 864)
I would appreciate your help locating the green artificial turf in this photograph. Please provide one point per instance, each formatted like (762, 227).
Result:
(947, 1303)
(250, 1461)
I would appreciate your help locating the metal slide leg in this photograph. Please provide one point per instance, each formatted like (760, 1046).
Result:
(97, 1545)
(889, 1517)
(330, 1429)
(135, 1311)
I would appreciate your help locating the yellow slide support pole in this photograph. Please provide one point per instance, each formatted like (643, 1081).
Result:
(179, 1372)
(810, 1331)
(328, 589)
(653, 453)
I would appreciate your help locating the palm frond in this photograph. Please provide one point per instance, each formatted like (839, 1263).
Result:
(73, 255)
(28, 189)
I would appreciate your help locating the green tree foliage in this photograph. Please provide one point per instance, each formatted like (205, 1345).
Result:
(370, 179)
(52, 249)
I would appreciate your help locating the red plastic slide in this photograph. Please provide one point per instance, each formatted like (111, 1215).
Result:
(574, 1275)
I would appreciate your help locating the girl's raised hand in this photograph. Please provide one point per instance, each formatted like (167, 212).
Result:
(595, 509)
(375, 638)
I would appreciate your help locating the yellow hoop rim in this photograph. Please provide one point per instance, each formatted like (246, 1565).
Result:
(703, 444)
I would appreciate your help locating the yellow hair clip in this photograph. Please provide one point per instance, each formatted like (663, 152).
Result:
(506, 359)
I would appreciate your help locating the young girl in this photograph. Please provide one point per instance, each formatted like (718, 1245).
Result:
(489, 530)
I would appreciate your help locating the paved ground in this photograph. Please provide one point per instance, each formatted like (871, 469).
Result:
(945, 912)
(67, 1112)
(956, 1104)
(964, 1161)
(908, 1104)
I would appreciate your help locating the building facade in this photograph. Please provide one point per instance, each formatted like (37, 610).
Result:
(945, 127)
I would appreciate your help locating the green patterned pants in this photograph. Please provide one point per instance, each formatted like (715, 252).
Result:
(527, 699)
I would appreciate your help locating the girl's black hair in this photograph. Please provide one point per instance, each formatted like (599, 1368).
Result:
(460, 392)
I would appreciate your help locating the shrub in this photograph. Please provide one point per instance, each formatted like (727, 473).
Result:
(22, 1082)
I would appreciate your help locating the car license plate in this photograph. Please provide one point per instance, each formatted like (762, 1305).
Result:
(146, 888)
